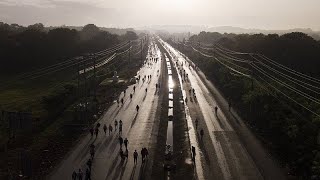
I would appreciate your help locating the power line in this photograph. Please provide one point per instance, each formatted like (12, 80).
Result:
(230, 68)
(289, 78)
(292, 71)
(286, 85)
(314, 113)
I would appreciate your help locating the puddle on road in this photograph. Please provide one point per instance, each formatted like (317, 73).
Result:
(170, 135)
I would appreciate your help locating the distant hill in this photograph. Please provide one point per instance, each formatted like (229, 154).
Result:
(237, 30)
(227, 29)
(110, 30)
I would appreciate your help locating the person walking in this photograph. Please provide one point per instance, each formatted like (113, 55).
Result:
(92, 150)
(134, 88)
(80, 175)
(120, 142)
(115, 124)
(193, 149)
(142, 154)
(216, 110)
(130, 96)
(74, 175)
(197, 123)
(137, 107)
(146, 152)
(201, 133)
(88, 174)
(89, 164)
(135, 157)
(126, 143)
(110, 129)
(105, 129)
(122, 101)
(91, 131)
(96, 131)
(120, 129)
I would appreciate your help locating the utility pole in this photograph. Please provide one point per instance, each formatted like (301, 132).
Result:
(94, 80)
(141, 50)
(251, 73)
(129, 51)
(213, 50)
(78, 76)
(85, 90)
(78, 89)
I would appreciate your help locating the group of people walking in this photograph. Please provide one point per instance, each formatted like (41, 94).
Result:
(117, 126)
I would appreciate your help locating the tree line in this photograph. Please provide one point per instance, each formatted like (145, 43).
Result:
(26, 48)
(295, 50)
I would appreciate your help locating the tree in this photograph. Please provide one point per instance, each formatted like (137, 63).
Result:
(130, 35)
(37, 26)
(89, 31)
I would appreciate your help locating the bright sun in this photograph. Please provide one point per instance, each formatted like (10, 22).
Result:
(176, 5)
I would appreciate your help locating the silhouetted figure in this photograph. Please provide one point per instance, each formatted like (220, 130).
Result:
(115, 125)
(201, 133)
(92, 150)
(135, 156)
(142, 154)
(146, 153)
(88, 175)
(74, 175)
(89, 164)
(197, 123)
(120, 129)
(137, 107)
(96, 131)
(105, 128)
(110, 129)
(120, 142)
(126, 143)
(91, 131)
(193, 149)
(80, 175)
(216, 110)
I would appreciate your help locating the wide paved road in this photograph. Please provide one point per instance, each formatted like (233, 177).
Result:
(221, 154)
(139, 128)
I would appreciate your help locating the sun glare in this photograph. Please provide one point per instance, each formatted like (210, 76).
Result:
(176, 5)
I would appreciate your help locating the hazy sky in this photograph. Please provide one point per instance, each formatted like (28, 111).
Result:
(264, 14)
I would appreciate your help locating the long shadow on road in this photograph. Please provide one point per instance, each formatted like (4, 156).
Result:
(133, 172)
(113, 165)
(119, 168)
(134, 120)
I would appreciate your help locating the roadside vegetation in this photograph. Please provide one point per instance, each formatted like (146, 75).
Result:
(289, 131)
(54, 98)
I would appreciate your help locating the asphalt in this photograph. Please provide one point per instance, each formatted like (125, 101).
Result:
(137, 127)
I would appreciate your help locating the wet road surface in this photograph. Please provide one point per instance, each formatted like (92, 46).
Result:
(137, 127)
(221, 153)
